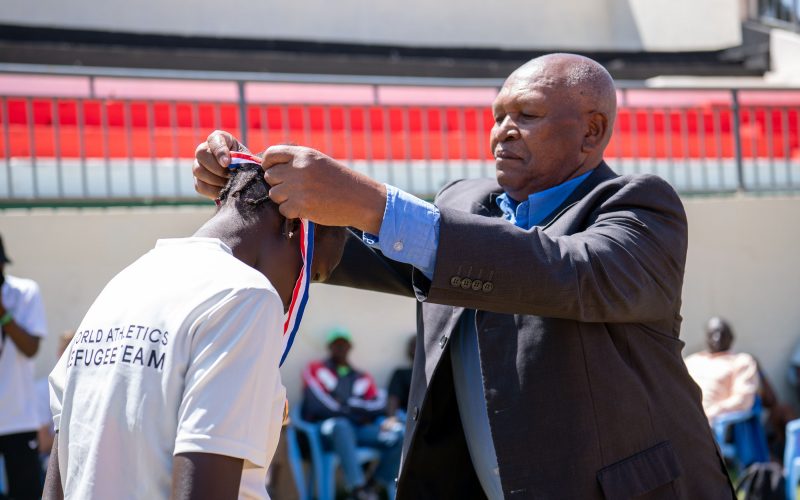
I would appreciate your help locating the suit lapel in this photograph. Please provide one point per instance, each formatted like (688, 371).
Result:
(488, 208)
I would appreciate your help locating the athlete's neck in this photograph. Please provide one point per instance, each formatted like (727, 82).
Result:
(258, 241)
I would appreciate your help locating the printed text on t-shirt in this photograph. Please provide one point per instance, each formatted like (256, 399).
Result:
(131, 344)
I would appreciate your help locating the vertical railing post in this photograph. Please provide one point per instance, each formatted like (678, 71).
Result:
(242, 113)
(7, 145)
(737, 139)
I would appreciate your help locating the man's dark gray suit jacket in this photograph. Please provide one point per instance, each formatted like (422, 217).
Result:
(578, 322)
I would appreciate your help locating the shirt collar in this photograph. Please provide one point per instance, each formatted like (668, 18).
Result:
(538, 205)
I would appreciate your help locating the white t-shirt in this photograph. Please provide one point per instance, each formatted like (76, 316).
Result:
(17, 394)
(179, 353)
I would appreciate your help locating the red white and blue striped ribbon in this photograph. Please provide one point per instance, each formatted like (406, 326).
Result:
(239, 158)
(300, 293)
(299, 300)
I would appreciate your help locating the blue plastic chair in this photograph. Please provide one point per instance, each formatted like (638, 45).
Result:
(791, 459)
(322, 479)
(749, 444)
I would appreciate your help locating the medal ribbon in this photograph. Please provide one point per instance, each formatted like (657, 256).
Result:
(299, 300)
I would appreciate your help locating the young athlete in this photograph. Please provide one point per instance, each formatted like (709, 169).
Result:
(171, 385)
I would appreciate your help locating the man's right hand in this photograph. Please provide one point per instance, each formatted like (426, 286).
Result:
(211, 160)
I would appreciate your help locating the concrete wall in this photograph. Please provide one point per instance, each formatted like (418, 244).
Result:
(742, 265)
(625, 25)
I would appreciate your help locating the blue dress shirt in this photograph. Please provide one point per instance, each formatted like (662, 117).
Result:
(410, 234)
(539, 205)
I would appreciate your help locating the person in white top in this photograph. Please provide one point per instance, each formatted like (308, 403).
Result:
(171, 388)
(729, 380)
(22, 326)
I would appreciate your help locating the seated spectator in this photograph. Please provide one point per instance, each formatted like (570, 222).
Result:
(400, 385)
(729, 380)
(349, 404)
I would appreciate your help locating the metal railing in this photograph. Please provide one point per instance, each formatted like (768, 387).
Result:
(123, 136)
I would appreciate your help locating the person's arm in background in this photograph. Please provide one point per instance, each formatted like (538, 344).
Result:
(394, 398)
(393, 401)
(52, 483)
(205, 476)
(392, 405)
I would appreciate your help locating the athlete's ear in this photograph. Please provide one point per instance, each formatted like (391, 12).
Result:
(290, 228)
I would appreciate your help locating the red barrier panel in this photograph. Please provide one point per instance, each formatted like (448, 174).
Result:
(71, 128)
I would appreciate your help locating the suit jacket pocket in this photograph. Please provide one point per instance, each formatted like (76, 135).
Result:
(640, 473)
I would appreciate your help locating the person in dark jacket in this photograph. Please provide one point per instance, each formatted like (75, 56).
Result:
(548, 360)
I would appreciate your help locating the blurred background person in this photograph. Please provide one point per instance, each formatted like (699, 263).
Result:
(734, 382)
(23, 325)
(348, 403)
(729, 380)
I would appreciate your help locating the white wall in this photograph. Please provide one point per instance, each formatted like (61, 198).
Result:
(742, 264)
(655, 25)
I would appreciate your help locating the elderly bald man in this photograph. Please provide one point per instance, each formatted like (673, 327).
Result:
(548, 362)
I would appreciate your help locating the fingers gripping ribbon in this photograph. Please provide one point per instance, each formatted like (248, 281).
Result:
(299, 300)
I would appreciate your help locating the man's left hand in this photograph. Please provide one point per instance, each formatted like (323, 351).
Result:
(308, 184)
